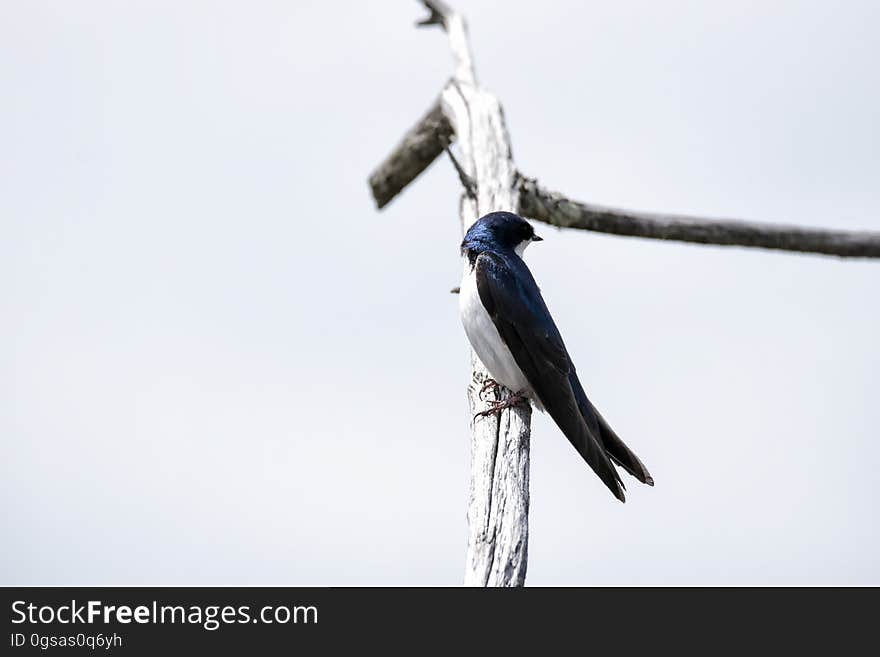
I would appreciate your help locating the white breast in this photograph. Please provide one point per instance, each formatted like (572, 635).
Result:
(484, 337)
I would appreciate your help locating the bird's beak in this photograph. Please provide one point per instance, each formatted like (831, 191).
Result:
(537, 239)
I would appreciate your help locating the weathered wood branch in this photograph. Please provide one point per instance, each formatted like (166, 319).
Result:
(553, 208)
(498, 504)
(419, 147)
(556, 209)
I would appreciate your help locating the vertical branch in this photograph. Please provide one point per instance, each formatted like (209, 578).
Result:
(498, 505)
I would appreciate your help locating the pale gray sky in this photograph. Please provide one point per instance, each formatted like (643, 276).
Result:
(221, 365)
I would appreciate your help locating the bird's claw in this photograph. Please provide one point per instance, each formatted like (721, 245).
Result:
(488, 384)
(498, 406)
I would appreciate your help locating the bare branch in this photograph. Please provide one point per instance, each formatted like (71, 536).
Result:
(498, 505)
(553, 208)
(415, 152)
(433, 132)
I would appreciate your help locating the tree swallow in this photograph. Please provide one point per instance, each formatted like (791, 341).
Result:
(511, 331)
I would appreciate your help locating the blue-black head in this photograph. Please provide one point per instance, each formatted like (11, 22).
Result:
(499, 231)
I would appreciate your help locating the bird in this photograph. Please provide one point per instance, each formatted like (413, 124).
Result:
(513, 334)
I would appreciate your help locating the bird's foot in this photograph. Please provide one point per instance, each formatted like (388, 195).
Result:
(498, 406)
(488, 384)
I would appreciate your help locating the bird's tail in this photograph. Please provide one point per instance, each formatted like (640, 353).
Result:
(615, 448)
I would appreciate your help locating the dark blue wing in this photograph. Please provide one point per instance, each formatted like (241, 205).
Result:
(512, 298)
